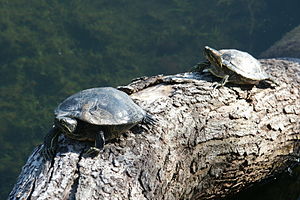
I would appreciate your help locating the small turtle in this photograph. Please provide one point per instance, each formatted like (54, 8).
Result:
(96, 114)
(233, 66)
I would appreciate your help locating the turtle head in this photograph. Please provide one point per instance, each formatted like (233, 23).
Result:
(66, 124)
(213, 56)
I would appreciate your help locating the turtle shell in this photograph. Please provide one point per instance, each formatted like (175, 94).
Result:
(243, 63)
(101, 106)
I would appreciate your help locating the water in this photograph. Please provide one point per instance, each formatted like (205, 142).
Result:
(51, 49)
(284, 187)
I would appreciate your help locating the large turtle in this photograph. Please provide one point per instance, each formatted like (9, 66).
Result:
(96, 114)
(233, 66)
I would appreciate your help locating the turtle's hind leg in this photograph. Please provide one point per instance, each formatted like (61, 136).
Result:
(99, 145)
(50, 143)
(149, 120)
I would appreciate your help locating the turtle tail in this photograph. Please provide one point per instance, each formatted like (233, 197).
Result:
(271, 79)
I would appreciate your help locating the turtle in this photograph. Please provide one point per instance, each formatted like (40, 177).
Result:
(97, 115)
(233, 66)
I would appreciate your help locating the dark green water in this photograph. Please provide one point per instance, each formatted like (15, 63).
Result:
(284, 187)
(51, 49)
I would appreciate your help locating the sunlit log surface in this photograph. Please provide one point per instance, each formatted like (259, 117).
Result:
(206, 144)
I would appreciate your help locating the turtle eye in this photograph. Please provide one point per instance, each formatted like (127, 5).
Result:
(63, 122)
(66, 123)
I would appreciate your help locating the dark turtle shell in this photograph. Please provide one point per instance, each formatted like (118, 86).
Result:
(101, 106)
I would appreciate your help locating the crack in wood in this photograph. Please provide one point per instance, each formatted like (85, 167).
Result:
(75, 184)
(32, 189)
(143, 184)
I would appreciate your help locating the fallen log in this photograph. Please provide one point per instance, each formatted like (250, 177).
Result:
(206, 144)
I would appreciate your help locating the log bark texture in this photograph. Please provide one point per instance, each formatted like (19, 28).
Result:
(205, 145)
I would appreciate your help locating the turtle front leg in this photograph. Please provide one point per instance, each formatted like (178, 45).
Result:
(224, 80)
(50, 143)
(222, 83)
(99, 145)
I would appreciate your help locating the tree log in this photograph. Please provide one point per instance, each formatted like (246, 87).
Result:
(206, 144)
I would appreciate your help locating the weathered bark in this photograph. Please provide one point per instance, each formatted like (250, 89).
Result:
(205, 145)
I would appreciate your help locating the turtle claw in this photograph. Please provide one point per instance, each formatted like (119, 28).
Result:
(219, 85)
(216, 85)
(91, 152)
(149, 120)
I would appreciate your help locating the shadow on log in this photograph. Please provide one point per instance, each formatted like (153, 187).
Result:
(207, 144)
